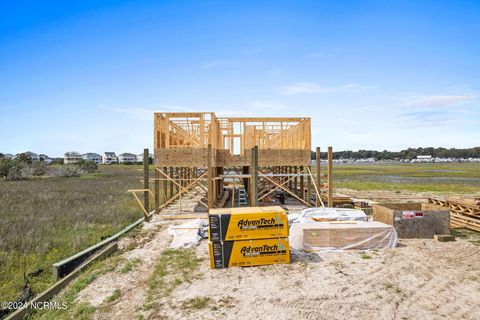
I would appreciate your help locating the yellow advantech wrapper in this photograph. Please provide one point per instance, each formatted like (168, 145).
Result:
(245, 253)
(247, 223)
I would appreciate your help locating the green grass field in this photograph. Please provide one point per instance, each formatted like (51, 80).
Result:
(458, 178)
(44, 220)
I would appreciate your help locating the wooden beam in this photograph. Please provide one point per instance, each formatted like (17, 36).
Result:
(210, 178)
(156, 191)
(146, 182)
(330, 177)
(317, 191)
(318, 180)
(254, 179)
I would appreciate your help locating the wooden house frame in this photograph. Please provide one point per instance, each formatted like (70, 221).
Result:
(199, 149)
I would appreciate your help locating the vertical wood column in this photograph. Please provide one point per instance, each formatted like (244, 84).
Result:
(318, 175)
(146, 182)
(309, 186)
(210, 178)
(295, 180)
(330, 177)
(156, 191)
(171, 183)
(254, 178)
(165, 185)
(302, 186)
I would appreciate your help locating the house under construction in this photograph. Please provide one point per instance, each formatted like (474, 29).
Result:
(258, 155)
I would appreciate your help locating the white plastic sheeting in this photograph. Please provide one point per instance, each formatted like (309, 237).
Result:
(331, 214)
(342, 235)
(186, 235)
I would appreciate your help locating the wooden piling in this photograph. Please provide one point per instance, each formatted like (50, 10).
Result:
(254, 178)
(330, 177)
(146, 182)
(210, 178)
(318, 175)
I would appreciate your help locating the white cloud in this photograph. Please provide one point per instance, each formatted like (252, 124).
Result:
(310, 88)
(434, 101)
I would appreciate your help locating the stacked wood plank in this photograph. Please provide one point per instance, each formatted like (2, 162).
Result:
(464, 213)
(337, 198)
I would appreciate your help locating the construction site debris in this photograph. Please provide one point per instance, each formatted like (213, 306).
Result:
(188, 234)
(445, 237)
(464, 213)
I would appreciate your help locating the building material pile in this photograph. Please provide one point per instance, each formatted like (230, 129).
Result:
(339, 229)
(413, 220)
(337, 198)
(241, 237)
(464, 213)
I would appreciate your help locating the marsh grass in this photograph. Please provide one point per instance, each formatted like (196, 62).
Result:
(45, 220)
(421, 177)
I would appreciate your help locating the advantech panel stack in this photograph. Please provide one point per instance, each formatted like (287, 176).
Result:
(242, 237)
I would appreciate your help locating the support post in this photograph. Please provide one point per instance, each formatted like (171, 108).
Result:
(309, 186)
(318, 174)
(302, 186)
(210, 178)
(146, 182)
(330, 177)
(171, 183)
(254, 178)
(156, 191)
(165, 186)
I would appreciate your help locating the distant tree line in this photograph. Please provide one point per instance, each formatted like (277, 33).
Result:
(408, 154)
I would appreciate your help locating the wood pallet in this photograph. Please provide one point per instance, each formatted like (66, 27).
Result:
(464, 213)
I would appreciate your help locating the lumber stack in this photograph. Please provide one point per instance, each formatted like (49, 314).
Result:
(337, 198)
(464, 213)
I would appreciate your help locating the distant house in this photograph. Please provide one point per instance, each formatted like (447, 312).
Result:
(109, 158)
(44, 158)
(95, 157)
(140, 157)
(30, 154)
(72, 157)
(424, 157)
(127, 158)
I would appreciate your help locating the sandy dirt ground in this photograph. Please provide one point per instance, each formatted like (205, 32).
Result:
(420, 279)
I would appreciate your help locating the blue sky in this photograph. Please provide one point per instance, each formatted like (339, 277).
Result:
(87, 75)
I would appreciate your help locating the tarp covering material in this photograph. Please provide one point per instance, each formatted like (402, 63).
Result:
(342, 235)
(187, 235)
(330, 214)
